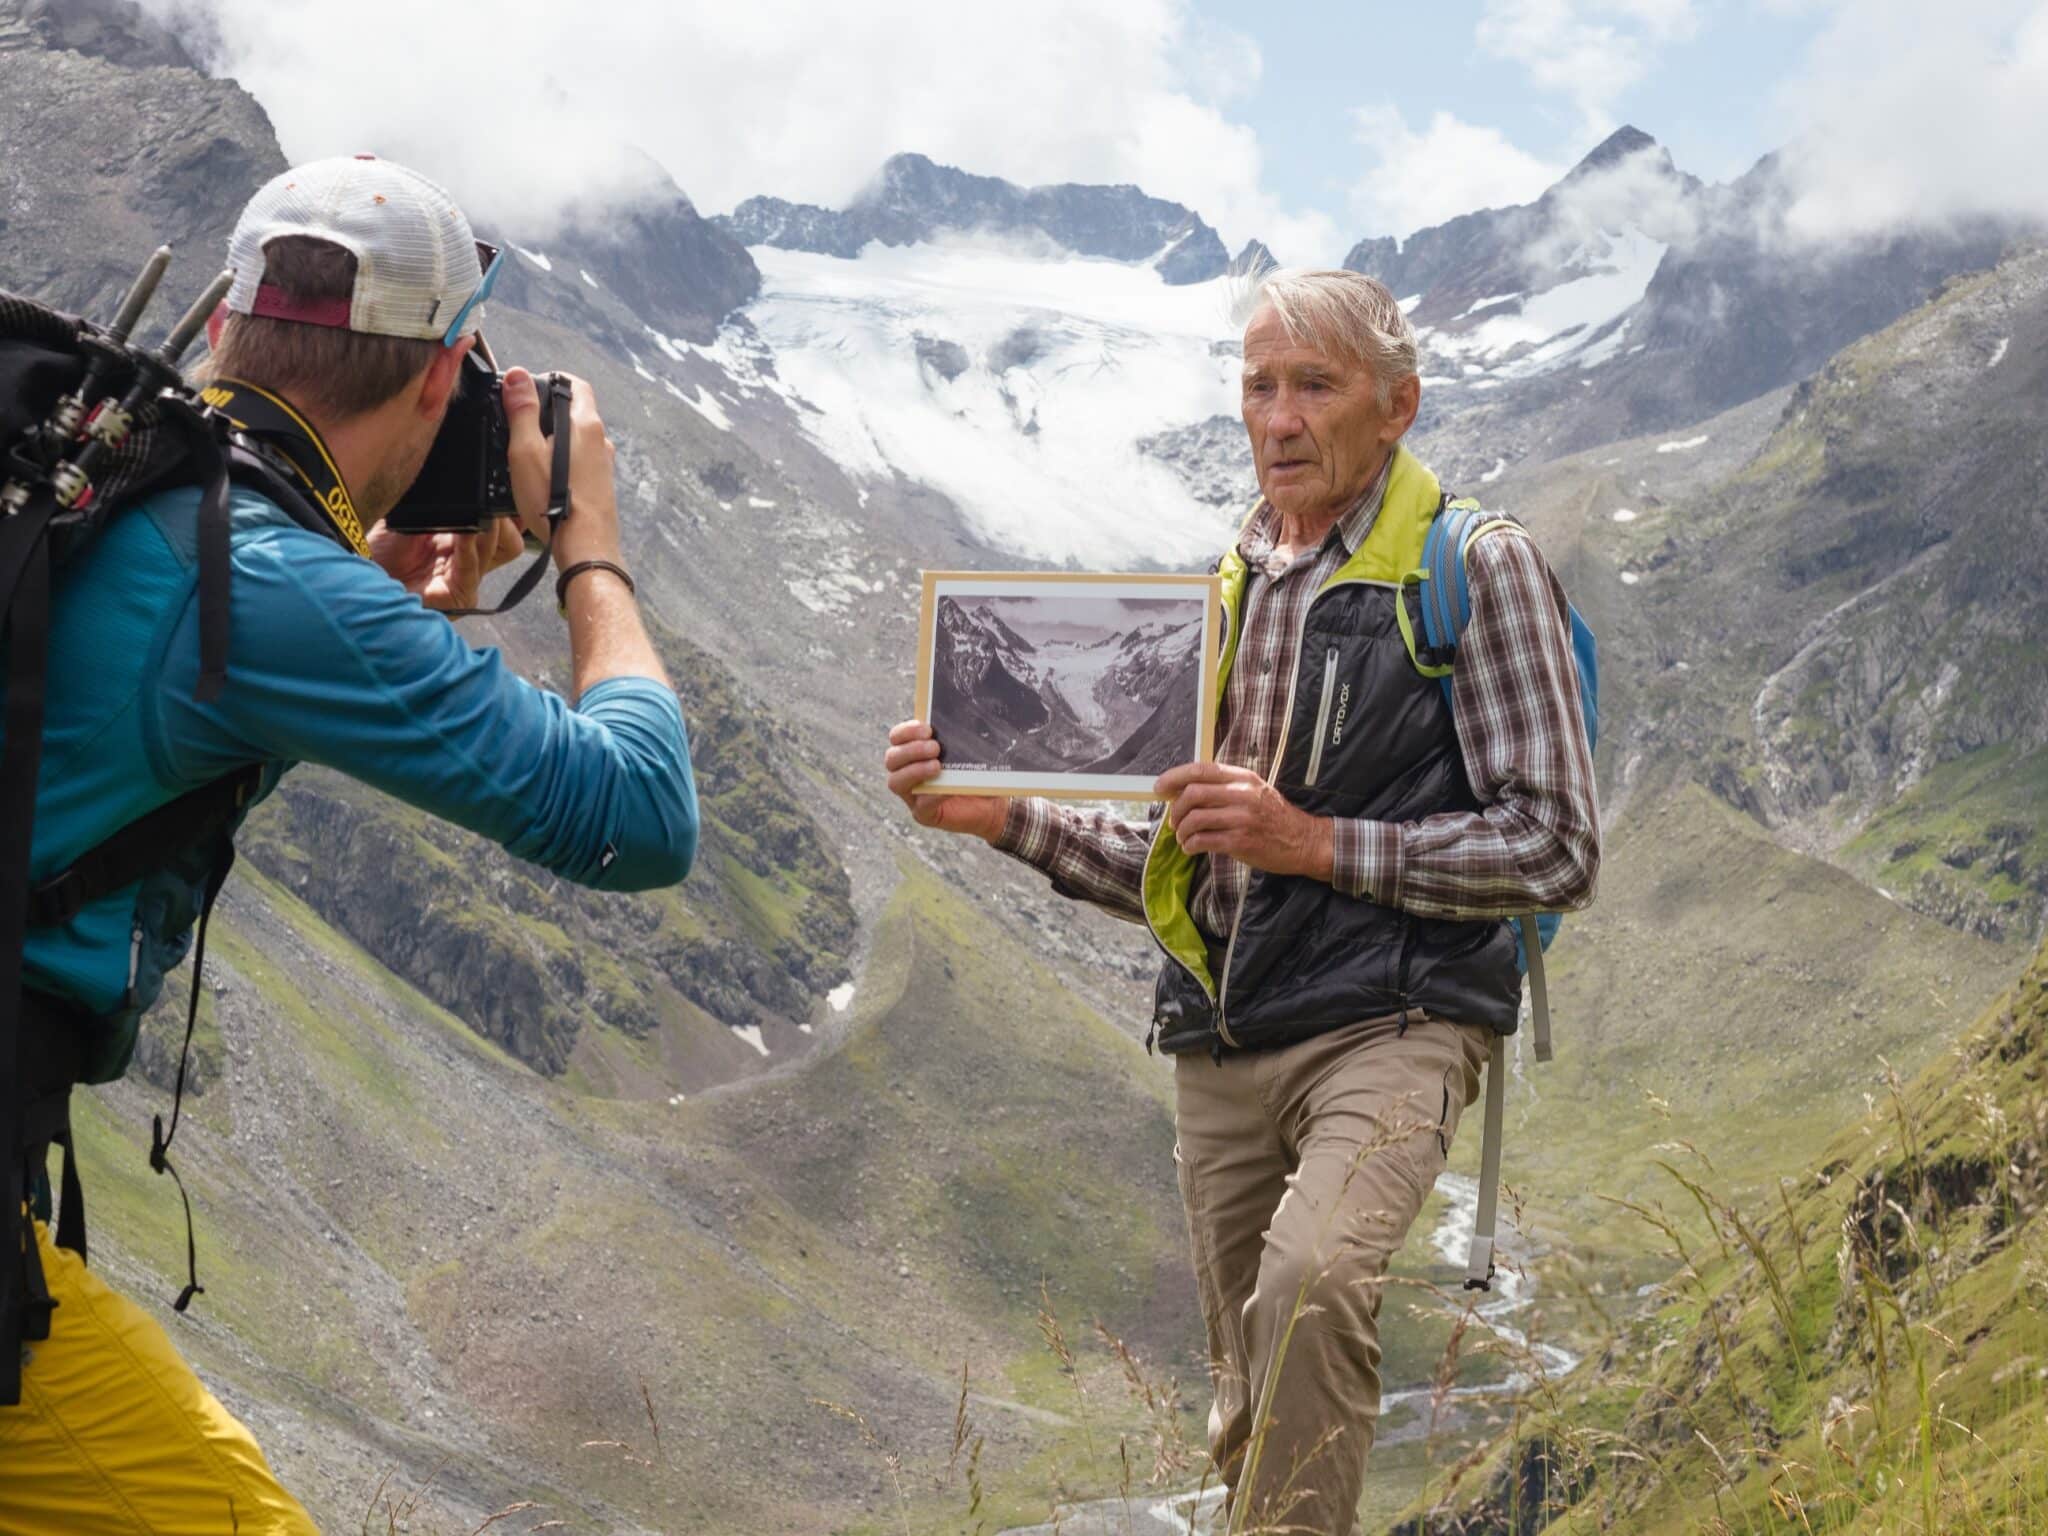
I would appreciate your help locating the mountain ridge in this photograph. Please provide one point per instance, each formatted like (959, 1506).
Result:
(1018, 701)
(913, 198)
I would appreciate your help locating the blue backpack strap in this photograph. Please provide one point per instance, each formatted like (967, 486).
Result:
(1447, 586)
(1586, 656)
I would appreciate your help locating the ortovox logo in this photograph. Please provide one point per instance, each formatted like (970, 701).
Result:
(1337, 725)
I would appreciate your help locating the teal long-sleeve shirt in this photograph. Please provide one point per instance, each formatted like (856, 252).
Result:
(330, 661)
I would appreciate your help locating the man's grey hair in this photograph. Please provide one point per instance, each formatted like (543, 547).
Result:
(1344, 314)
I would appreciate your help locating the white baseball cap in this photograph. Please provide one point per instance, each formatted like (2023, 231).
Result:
(420, 272)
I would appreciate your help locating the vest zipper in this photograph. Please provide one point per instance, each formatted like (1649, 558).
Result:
(1315, 756)
(1272, 773)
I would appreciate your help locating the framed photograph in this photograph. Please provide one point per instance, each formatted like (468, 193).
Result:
(1047, 683)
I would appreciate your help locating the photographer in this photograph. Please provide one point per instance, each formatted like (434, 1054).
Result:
(355, 306)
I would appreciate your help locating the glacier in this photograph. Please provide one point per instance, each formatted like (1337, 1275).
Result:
(1016, 381)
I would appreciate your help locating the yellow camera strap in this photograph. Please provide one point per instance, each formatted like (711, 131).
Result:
(292, 441)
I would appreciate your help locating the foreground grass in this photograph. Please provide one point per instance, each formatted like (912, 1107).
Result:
(1867, 1353)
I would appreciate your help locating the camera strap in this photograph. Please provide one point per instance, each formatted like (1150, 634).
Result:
(558, 508)
(271, 426)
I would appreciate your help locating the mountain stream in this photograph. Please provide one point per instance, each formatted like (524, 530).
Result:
(1513, 1292)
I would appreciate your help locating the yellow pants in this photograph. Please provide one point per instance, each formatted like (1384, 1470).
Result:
(115, 1436)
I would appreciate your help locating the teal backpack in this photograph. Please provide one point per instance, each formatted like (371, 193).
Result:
(1444, 593)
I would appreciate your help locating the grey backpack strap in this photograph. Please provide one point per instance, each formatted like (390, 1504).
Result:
(1539, 994)
(1479, 1266)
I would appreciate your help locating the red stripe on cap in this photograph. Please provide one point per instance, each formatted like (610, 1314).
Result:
(273, 303)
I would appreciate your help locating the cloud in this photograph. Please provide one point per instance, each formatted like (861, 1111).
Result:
(1218, 64)
(1591, 51)
(1899, 122)
(542, 105)
(1451, 167)
(1640, 191)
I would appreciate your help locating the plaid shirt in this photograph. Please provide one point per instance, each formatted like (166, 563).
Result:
(1534, 847)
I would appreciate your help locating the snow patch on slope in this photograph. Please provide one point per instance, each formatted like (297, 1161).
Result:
(708, 408)
(1546, 329)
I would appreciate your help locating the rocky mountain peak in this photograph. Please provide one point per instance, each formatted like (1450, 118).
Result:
(915, 186)
(913, 197)
(82, 82)
(119, 31)
(652, 251)
(1196, 254)
(143, 155)
(1254, 256)
(1622, 144)
(1658, 299)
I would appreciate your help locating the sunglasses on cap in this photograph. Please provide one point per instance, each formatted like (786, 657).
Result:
(490, 259)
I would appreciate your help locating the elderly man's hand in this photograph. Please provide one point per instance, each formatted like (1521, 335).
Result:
(912, 759)
(1232, 811)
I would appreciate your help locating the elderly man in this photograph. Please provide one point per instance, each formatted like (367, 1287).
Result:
(1330, 893)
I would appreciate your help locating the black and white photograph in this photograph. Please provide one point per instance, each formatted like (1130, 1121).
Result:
(1088, 686)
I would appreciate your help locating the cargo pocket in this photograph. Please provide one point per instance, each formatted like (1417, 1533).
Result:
(1471, 1049)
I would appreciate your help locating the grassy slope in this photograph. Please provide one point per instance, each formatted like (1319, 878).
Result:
(504, 1264)
(1730, 992)
(629, 995)
(1967, 841)
(1865, 1353)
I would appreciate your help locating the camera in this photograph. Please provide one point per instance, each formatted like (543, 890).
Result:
(466, 480)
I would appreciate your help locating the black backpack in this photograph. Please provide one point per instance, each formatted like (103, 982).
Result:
(89, 425)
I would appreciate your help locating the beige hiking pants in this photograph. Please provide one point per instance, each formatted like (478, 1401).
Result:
(1302, 1169)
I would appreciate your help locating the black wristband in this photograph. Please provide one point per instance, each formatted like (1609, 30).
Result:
(562, 581)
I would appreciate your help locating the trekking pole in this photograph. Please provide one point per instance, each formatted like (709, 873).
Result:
(139, 295)
(108, 426)
(193, 321)
(108, 351)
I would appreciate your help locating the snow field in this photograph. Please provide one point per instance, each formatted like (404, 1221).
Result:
(1069, 361)
(1559, 322)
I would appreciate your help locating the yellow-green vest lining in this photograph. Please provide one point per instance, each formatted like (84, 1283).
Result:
(1391, 553)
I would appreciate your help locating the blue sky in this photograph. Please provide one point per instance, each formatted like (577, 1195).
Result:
(1710, 93)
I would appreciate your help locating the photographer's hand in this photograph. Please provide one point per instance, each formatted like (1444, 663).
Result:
(606, 637)
(443, 569)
